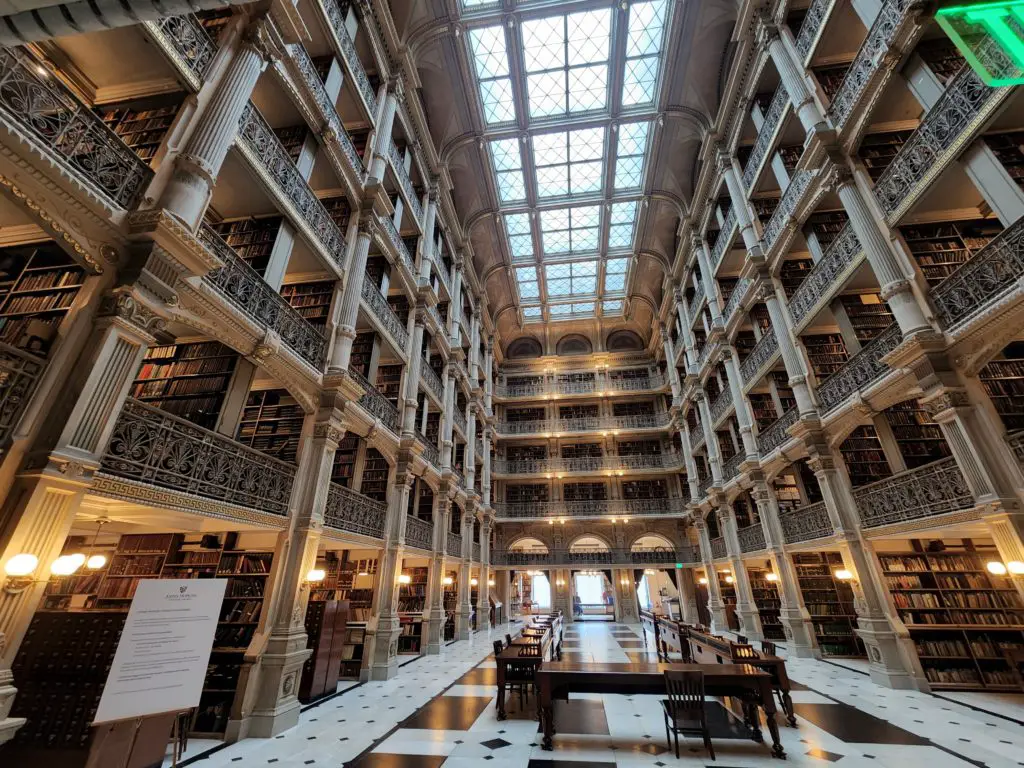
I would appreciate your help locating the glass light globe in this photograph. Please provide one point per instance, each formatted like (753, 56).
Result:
(729, 579)
(21, 565)
(1016, 567)
(95, 562)
(844, 575)
(771, 577)
(316, 575)
(65, 565)
(702, 580)
(995, 567)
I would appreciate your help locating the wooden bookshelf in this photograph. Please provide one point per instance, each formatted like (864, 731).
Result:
(644, 489)
(526, 494)
(389, 381)
(919, 438)
(143, 126)
(375, 476)
(637, 448)
(340, 212)
(785, 392)
(787, 491)
(1007, 147)
(768, 602)
(961, 618)
(634, 408)
(585, 492)
(940, 248)
(764, 208)
(830, 78)
(312, 300)
(791, 156)
(579, 411)
(410, 635)
(764, 409)
(344, 465)
(941, 56)
(362, 353)
(38, 285)
(412, 597)
(525, 414)
(868, 313)
(188, 380)
(792, 274)
(877, 150)
(292, 138)
(272, 424)
(1003, 380)
(829, 603)
(864, 458)
(528, 452)
(826, 226)
(251, 238)
(826, 353)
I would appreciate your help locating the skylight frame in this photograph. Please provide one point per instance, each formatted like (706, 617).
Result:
(570, 155)
(643, 63)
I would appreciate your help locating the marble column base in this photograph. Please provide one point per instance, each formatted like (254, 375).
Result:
(384, 661)
(888, 662)
(800, 639)
(276, 703)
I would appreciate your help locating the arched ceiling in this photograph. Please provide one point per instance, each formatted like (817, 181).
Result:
(570, 131)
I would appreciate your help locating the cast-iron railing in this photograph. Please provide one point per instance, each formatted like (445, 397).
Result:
(349, 511)
(933, 489)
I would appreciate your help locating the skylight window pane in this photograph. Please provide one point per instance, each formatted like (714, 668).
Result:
(547, 94)
(517, 223)
(490, 57)
(511, 186)
(543, 43)
(587, 36)
(612, 307)
(569, 162)
(558, 310)
(629, 172)
(587, 88)
(505, 153)
(520, 241)
(575, 279)
(630, 155)
(643, 52)
(529, 312)
(498, 103)
(638, 82)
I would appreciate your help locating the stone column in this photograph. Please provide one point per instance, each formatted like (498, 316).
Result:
(196, 168)
(455, 307)
(469, 457)
(464, 610)
(434, 626)
(447, 418)
(427, 241)
(710, 438)
(738, 195)
(715, 606)
(489, 375)
(739, 401)
(483, 620)
(746, 608)
(692, 479)
(414, 354)
(688, 596)
(792, 360)
(485, 469)
(270, 688)
(670, 360)
(707, 273)
(792, 76)
(345, 333)
(382, 136)
(474, 349)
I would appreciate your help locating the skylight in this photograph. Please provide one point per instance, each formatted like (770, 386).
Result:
(569, 162)
(613, 307)
(520, 239)
(576, 309)
(526, 279)
(533, 312)
(508, 166)
(577, 278)
(492, 70)
(615, 275)
(643, 52)
(630, 153)
(623, 222)
(570, 230)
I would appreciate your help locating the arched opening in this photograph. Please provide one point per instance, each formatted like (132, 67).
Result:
(574, 344)
(529, 545)
(624, 341)
(589, 544)
(652, 542)
(525, 347)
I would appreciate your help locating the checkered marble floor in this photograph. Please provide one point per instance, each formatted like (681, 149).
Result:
(439, 711)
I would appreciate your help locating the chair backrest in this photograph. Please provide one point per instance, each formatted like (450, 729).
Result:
(742, 639)
(520, 671)
(768, 648)
(531, 650)
(743, 651)
(508, 639)
(498, 647)
(685, 690)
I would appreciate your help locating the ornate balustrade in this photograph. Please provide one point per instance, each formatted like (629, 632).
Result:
(460, 479)
(760, 357)
(731, 467)
(592, 508)
(374, 403)
(663, 461)
(735, 298)
(765, 136)
(751, 538)
(642, 384)
(153, 447)
(405, 182)
(811, 26)
(979, 283)
(860, 371)
(542, 426)
(430, 451)
(827, 277)
(476, 551)
(430, 378)
(187, 43)
(419, 533)
(696, 437)
(349, 511)
(380, 308)
(705, 484)
(1016, 443)
(721, 405)
(806, 523)
(617, 556)
(785, 210)
(460, 420)
(725, 235)
(453, 544)
(776, 433)
(442, 273)
(933, 489)
(518, 559)
(349, 55)
(19, 374)
(696, 300)
(536, 389)
(51, 118)
(397, 242)
(717, 548)
(246, 289)
(263, 149)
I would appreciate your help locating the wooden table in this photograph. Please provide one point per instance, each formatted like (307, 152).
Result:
(511, 653)
(557, 680)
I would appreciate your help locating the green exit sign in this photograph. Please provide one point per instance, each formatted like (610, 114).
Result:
(991, 38)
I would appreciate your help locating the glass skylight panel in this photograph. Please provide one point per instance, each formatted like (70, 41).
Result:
(520, 239)
(574, 279)
(526, 279)
(569, 162)
(570, 230)
(566, 62)
(630, 154)
(615, 275)
(532, 313)
(508, 167)
(623, 222)
(612, 307)
(491, 58)
(643, 52)
(576, 309)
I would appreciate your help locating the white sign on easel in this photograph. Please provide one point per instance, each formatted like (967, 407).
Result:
(161, 660)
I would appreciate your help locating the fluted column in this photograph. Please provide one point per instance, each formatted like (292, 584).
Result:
(412, 376)
(485, 470)
(792, 77)
(382, 137)
(692, 479)
(670, 361)
(715, 606)
(710, 438)
(474, 349)
(434, 626)
(746, 608)
(470, 454)
(429, 230)
(739, 401)
(790, 357)
(455, 307)
(448, 417)
(345, 334)
(489, 375)
(197, 167)
(464, 611)
(483, 606)
(738, 195)
(385, 623)
(688, 597)
(707, 274)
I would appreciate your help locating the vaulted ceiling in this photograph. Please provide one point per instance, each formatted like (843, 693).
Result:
(571, 132)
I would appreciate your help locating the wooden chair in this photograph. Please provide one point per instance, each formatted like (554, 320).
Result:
(508, 639)
(498, 648)
(684, 708)
(768, 648)
(742, 639)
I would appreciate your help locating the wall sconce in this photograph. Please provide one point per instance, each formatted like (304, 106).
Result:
(447, 581)
(404, 578)
(490, 582)
(729, 579)
(771, 576)
(315, 575)
(650, 571)
(364, 573)
(843, 574)
(625, 520)
(473, 582)
(996, 568)
(702, 580)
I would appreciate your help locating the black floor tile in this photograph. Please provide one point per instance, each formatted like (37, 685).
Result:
(580, 717)
(535, 763)
(448, 713)
(723, 724)
(854, 726)
(381, 760)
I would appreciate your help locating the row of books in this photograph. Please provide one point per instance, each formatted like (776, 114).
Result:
(55, 278)
(179, 387)
(242, 611)
(940, 617)
(187, 367)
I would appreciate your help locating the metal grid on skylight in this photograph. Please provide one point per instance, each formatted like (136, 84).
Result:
(577, 278)
(508, 167)
(630, 154)
(567, 311)
(569, 162)
(615, 275)
(526, 279)
(622, 225)
(491, 58)
(643, 52)
(570, 230)
(520, 237)
(612, 307)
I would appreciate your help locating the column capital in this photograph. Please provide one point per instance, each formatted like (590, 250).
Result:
(724, 160)
(838, 175)
(330, 430)
(767, 30)
(122, 303)
(942, 404)
(262, 38)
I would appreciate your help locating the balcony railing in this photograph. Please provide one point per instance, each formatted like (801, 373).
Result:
(738, 292)
(430, 451)
(380, 308)
(695, 302)
(1016, 443)
(721, 405)
(696, 436)
(663, 557)
(419, 533)
(476, 551)
(265, 149)
(786, 208)
(776, 433)
(806, 523)
(975, 285)
(453, 544)
(67, 131)
(460, 420)
(432, 381)
(860, 371)
(399, 244)
(19, 375)
(933, 489)
(717, 548)
(766, 136)
(557, 387)
(350, 56)
(442, 274)
(409, 191)
(725, 235)
(731, 466)
(888, 24)
(760, 357)
(827, 277)
(192, 47)
(705, 484)
(349, 511)
(751, 538)
(246, 289)
(813, 21)
(374, 403)
(592, 508)
(589, 424)
(663, 461)
(153, 447)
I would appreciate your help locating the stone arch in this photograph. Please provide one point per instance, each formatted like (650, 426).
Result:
(590, 542)
(624, 341)
(574, 344)
(524, 347)
(650, 540)
(522, 542)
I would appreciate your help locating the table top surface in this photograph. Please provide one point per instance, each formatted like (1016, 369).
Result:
(648, 669)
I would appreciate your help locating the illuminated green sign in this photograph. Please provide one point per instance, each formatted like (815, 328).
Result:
(971, 27)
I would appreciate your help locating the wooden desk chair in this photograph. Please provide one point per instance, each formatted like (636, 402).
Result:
(768, 648)
(684, 708)
(498, 648)
(742, 639)
(508, 639)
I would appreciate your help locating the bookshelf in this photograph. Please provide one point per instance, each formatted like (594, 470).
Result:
(1007, 148)
(728, 593)
(143, 130)
(529, 452)
(941, 56)
(787, 491)
(584, 492)
(764, 208)
(862, 453)
(829, 603)
(339, 210)
(792, 274)
(410, 635)
(251, 238)
(389, 381)
(412, 597)
(38, 285)
(272, 424)
(1003, 380)
(582, 411)
(362, 353)
(764, 409)
(781, 381)
(826, 353)
(637, 448)
(826, 226)
(375, 476)
(877, 150)
(791, 156)
(345, 460)
(830, 78)
(526, 494)
(940, 248)
(868, 315)
(637, 408)
(644, 489)
(524, 414)
(312, 300)
(214, 22)
(961, 618)
(919, 438)
(292, 138)
(188, 380)
(768, 602)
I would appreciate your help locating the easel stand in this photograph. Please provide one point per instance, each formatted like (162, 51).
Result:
(140, 742)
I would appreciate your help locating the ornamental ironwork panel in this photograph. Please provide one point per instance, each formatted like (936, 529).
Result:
(350, 56)
(151, 446)
(887, 25)
(717, 548)
(374, 403)
(442, 271)
(860, 371)
(432, 381)
(189, 40)
(698, 298)
(643, 556)
(933, 489)
(476, 551)
(349, 511)
(590, 558)
(1016, 442)
(460, 420)
(64, 128)
(705, 484)
(404, 181)
(827, 276)
(267, 149)
(721, 405)
(751, 538)
(245, 288)
(776, 433)
(786, 208)
(766, 135)
(19, 375)
(806, 523)
(725, 235)
(811, 25)
(396, 240)
(591, 508)
(522, 558)
(430, 451)
(735, 298)
(731, 467)
(696, 436)
(382, 311)
(760, 356)
(419, 533)
(975, 285)
(453, 544)
(641, 384)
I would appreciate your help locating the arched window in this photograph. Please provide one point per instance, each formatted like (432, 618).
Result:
(524, 348)
(624, 341)
(574, 344)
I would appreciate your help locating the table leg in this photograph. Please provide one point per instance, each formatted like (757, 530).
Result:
(787, 706)
(547, 717)
(753, 721)
(501, 702)
(768, 704)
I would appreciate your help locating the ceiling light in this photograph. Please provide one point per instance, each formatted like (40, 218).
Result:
(996, 568)
(21, 565)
